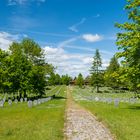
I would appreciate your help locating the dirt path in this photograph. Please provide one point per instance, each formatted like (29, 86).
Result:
(81, 124)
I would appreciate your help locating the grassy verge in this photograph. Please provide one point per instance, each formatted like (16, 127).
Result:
(124, 121)
(42, 122)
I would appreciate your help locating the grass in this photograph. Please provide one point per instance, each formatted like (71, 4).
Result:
(124, 121)
(42, 122)
(105, 92)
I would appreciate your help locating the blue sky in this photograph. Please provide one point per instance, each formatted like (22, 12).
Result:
(68, 30)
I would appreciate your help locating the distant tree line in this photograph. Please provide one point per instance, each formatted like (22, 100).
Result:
(56, 79)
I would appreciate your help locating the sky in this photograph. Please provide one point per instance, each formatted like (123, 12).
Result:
(69, 31)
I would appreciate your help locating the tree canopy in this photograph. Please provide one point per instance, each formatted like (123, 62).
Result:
(23, 68)
(128, 42)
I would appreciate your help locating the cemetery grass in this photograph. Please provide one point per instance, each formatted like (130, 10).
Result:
(123, 121)
(42, 122)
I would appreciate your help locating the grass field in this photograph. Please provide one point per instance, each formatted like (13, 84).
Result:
(42, 122)
(123, 121)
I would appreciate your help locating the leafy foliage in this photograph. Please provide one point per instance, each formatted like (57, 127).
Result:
(23, 69)
(80, 80)
(112, 73)
(129, 44)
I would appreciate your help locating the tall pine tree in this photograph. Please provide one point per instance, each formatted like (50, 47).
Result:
(96, 74)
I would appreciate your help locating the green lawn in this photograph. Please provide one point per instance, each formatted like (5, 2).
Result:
(124, 121)
(42, 122)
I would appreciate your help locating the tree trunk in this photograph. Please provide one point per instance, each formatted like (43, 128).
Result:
(97, 87)
(24, 95)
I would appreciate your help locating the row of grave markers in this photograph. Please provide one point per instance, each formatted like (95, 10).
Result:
(110, 100)
(29, 103)
(10, 101)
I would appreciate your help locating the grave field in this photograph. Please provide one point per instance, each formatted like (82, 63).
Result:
(41, 122)
(122, 120)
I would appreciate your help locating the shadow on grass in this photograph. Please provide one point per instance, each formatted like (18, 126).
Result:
(135, 107)
(59, 97)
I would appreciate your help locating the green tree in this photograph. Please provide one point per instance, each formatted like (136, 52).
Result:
(57, 79)
(23, 69)
(128, 42)
(65, 79)
(5, 84)
(96, 76)
(112, 73)
(80, 80)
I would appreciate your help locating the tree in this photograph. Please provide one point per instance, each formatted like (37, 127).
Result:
(80, 80)
(23, 69)
(96, 76)
(128, 42)
(65, 79)
(5, 84)
(112, 73)
(57, 79)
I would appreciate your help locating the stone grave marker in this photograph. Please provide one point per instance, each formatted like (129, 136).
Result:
(35, 102)
(16, 101)
(116, 102)
(25, 99)
(10, 102)
(109, 100)
(1, 103)
(21, 100)
(30, 104)
(96, 99)
(38, 101)
(132, 100)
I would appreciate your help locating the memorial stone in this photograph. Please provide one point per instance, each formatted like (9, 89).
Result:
(1, 103)
(16, 101)
(10, 102)
(21, 100)
(29, 104)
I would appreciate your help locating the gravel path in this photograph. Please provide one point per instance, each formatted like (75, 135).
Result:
(82, 125)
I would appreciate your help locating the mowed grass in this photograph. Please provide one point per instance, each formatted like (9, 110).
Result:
(123, 121)
(42, 122)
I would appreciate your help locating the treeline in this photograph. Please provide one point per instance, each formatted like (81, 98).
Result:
(56, 79)
(23, 69)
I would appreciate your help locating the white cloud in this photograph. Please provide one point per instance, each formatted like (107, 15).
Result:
(91, 37)
(86, 37)
(67, 63)
(74, 27)
(6, 39)
(71, 63)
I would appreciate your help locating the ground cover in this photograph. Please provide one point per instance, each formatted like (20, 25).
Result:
(42, 122)
(123, 121)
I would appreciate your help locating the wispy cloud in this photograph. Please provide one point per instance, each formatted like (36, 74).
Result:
(23, 22)
(23, 2)
(68, 41)
(74, 27)
(86, 37)
(96, 16)
(91, 37)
